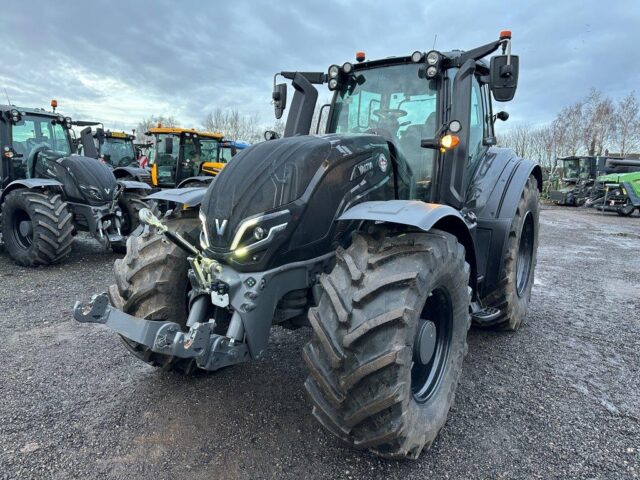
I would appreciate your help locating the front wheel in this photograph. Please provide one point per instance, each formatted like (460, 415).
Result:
(37, 227)
(152, 283)
(390, 337)
(626, 210)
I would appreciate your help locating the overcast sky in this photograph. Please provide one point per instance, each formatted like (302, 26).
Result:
(118, 61)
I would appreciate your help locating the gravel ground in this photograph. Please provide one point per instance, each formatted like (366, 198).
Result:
(558, 399)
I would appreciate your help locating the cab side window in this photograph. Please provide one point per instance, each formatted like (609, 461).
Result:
(476, 128)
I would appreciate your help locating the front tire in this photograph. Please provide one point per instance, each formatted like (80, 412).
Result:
(152, 283)
(390, 338)
(37, 227)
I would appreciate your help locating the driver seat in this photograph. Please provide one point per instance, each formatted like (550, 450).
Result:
(419, 158)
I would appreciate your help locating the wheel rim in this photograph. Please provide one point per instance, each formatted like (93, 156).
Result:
(525, 255)
(431, 346)
(23, 228)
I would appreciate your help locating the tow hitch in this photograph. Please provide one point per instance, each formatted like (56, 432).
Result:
(211, 351)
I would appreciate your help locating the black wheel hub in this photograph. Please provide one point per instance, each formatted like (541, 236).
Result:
(524, 259)
(23, 228)
(431, 345)
(425, 344)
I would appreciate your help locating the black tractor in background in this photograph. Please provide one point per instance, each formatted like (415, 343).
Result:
(388, 235)
(48, 193)
(116, 150)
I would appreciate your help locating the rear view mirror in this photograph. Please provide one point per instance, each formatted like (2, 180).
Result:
(168, 145)
(504, 77)
(279, 97)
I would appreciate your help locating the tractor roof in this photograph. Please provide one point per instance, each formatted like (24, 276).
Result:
(217, 136)
(180, 131)
(450, 57)
(123, 135)
(32, 111)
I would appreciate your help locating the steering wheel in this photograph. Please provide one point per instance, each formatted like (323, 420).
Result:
(390, 113)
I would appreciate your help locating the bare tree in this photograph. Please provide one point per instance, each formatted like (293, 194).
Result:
(568, 129)
(518, 138)
(599, 122)
(234, 126)
(627, 118)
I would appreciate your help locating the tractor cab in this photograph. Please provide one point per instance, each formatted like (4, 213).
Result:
(116, 148)
(575, 169)
(179, 154)
(27, 132)
(577, 175)
(225, 151)
(433, 109)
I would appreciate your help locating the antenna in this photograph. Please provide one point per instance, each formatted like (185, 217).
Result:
(5, 92)
(435, 39)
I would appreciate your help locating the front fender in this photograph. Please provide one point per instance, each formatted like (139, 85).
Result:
(30, 183)
(200, 178)
(134, 185)
(135, 172)
(425, 216)
(405, 212)
(183, 196)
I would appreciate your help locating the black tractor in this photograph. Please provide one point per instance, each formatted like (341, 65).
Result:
(389, 236)
(48, 193)
(116, 150)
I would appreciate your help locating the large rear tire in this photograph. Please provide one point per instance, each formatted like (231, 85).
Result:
(152, 283)
(390, 338)
(514, 291)
(37, 227)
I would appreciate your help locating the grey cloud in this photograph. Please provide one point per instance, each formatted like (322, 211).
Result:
(189, 57)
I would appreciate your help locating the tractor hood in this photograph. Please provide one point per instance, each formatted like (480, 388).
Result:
(83, 178)
(299, 183)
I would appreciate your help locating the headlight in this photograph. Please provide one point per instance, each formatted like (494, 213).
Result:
(256, 232)
(432, 72)
(92, 192)
(334, 71)
(433, 57)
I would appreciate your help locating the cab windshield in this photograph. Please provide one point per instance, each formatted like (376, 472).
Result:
(118, 152)
(181, 152)
(392, 101)
(575, 169)
(34, 131)
(209, 149)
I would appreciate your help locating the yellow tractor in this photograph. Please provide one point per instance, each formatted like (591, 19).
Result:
(183, 157)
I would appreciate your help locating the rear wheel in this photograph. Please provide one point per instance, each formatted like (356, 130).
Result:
(390, 338)
(514, 292)
(37, 227)
(152, 283)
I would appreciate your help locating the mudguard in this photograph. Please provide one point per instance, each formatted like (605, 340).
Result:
(495, 215)
(508, 203)
(30, 183)
(422, 215)
(183, 196)
(200, 178)
(135, 172)
(134, 185)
